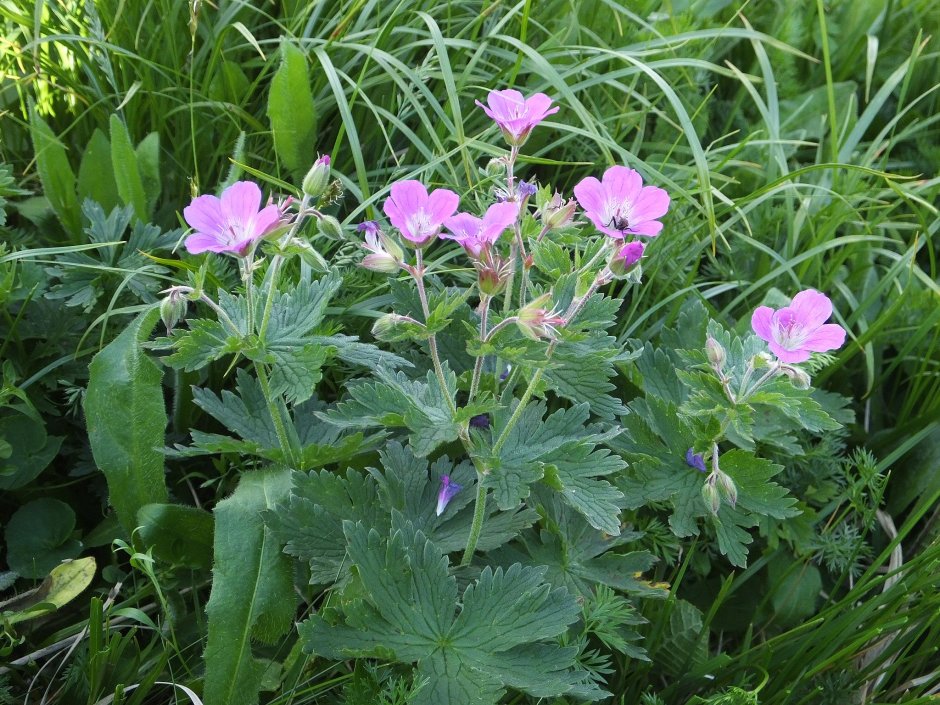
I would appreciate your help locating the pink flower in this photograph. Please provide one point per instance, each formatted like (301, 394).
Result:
(476, 234)
(795, 331)
(417, 215)
(515, 114)
(621, 204)
(232, 223)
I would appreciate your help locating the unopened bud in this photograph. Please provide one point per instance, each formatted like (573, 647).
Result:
(727, 489)
(329, 227)
(535, 321)
(318, 178)
(172, 309)
(716, 353)
(496, 167)
(392, 327)
(798, 376)
(390, 245)
(558, 213)
(710, 496)
(626, 258)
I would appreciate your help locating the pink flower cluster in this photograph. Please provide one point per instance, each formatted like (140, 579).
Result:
(795, 331)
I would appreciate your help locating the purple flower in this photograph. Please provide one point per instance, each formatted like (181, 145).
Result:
(232, 223)
(695, 460)
(793, 332)
(621, 204)
(515, 114)
(480, 421)
(369, 227)
(525, 189)
(416, 214)
(446, 493)
(626, 257)
(478, 234)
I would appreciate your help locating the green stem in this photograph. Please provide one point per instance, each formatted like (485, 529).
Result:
(432, 341)
(526, 395)
(476, 528)
(276, 417)
(248, 278)
(276, 264)
(478, 366)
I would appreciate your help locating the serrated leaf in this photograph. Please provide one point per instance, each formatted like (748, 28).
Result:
(295, 371)
(245, 413)
(291, 110)
(252, 591)
(126, 418)
(408, 615)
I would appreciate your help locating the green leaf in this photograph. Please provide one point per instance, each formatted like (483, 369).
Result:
(39, 537)
(205, 341)
(179, 535)
(96, 175)
(795, 589)
(126, 419)
(295, 371)
(55, 173)
(297, 312)
(292, 112)
(683, 645)
(29, 450)
(252, 590)
(148, 164)
(126, 171)
(580, 371)
(409, 613)
(63, 584)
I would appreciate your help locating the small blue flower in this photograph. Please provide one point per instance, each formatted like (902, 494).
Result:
(695, 460)
(446, 493)
(525, 189)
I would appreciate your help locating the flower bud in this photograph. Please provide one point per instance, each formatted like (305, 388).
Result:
(392, 327)
(172, 309)
(496, 167)
(716, 353)
(626, 258)
(318, 178)
(329, 227)
(390, 245)
(798, 376)
(492, 274)
(381, 262)
(710, 496)
(727, 489)
(558, 213)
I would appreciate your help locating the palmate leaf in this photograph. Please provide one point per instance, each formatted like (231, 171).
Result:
(310, 522)
(409, 614)
(561, 446)
(580, 371)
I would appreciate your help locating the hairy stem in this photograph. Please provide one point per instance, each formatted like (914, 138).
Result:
(279, 429)
(526, 395)
(478, 366)
(418, 274)
(276, 265)
(479, 512)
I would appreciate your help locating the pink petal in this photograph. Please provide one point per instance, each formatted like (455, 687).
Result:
(812, 309)
(266, 220)
(410, 196)
(498, 217)
(622, 184)
(591, 195)
(241, 201)
(442, 204)
(505, 104)
(784, 355)
(203, 242)
(651, 203)
(462, 226)
(204, 214)
(828, 337)
(538, 107)
(761, 322)
(649, 228)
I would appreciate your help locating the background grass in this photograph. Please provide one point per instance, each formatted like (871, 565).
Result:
(799, 142)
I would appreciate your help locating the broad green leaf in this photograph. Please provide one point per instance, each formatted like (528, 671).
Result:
(55, 173)
(96, 174)
(126, 419)
(63, 584)
(409, 613)
(28, 452)
(295, 370)
(292, 112)
(126, 169)
(683, 645)
(795, 589)
(178, 534)
(39, 537)
(252, 589)
(148, 164)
